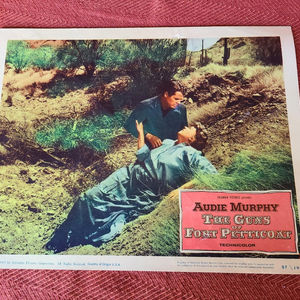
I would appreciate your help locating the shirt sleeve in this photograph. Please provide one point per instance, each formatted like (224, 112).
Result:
(198, 162)
(142, 153)
(138, 114)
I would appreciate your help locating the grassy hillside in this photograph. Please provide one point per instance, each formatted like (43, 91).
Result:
(243, 51)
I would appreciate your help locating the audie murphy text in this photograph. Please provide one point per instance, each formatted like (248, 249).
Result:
(237, 222)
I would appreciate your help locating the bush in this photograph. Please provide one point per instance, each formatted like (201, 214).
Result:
(151, 62)
(268, 50)
(18, 55)
(44, 58)
(115, 54)
(94, 132)
(74, 54)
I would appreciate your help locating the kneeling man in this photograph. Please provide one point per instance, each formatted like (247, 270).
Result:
(162, 116)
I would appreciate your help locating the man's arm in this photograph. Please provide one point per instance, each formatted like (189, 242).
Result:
(139, 114)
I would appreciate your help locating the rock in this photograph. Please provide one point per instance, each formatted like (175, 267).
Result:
(47, 171)
(23, 172)
(244, 101)
(20, 163)
(215, 80)
(234, 76)
(30, 180)
(257, 96)
(31, 207)
(7, 104)
(50, 212)
(3, 151)
(214, 91)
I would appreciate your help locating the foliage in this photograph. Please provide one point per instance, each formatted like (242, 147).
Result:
(115, 54)
(154, 61)
(184, 72)
(105, 54)
(95, 132)
(161, 50)
(263, 76)
(165, 237)
(18, 55)
(271, 78)
(74, 54)
(147, 61)
(44, 57)
(268, 50)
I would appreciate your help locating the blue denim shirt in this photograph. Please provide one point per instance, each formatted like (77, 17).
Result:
(163, 126)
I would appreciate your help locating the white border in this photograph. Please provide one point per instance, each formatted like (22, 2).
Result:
(183, 264)
(151, 263)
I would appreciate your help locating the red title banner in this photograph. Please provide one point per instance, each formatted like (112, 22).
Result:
(219, 221)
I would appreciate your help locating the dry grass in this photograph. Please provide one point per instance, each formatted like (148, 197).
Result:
(21, 80)
(207, 110)
(271, 78)
(261, 77)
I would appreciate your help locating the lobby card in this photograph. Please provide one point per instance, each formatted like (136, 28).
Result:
(151, 149)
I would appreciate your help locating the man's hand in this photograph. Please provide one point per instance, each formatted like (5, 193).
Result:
(153, 140)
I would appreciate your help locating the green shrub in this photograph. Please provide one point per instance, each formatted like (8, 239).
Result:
(147, 62)
(18, 55)
(153, 61)
(44, 57)
(184, 72)
(115, 54)
(76, 53)
(94, 132)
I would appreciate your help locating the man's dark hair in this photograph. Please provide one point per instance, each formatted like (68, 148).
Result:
(170, 86)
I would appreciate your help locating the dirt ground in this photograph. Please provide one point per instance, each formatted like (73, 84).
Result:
(37, 194)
